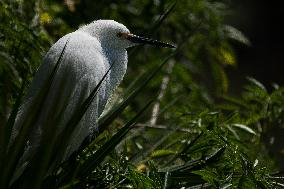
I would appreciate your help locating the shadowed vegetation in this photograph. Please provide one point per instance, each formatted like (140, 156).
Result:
(172, 122)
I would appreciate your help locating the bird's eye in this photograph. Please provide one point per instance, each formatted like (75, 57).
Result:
(122, 35)
(119, 34)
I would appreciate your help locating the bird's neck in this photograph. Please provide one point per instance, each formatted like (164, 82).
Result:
(117, 58)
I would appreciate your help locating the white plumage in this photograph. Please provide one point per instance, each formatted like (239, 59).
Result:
(89, 53)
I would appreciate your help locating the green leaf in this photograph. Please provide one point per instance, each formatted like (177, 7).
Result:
(139, 180)
(198, 163)
(89, 165)
(208, 176)
(244, 127)
(162, 153)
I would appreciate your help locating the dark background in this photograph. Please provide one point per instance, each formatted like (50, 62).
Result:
(262, 22)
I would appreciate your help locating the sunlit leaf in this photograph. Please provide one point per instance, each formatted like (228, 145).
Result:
(244, 127)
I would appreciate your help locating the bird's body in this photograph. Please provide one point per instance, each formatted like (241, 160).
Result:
(89, 53)
(86, 59)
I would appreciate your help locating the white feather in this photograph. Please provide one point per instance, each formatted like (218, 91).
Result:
(90, 51)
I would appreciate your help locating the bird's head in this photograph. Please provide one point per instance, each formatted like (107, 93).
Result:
(115, 35)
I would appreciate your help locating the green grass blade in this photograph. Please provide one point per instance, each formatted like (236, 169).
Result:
(99, 155)
(17, 148)
(52, 147)
(44, 153)
(185, 148)
(164, 16)
(64, 138)
(200, 163)
(108, 118)
(5, 132)
(113, 114)
(155, 26)
(182, 173)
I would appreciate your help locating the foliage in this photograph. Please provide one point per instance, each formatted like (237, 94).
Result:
(196, 135)
(22, 46)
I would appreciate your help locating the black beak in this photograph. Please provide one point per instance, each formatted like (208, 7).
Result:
(143, 40)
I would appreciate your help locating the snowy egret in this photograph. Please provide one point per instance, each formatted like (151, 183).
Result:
(89, 53)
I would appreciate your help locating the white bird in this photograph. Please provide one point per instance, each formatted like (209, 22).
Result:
(89, 53)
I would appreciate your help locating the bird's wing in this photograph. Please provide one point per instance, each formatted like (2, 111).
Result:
(81, 69)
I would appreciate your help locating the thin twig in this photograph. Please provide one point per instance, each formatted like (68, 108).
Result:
(163, 87)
